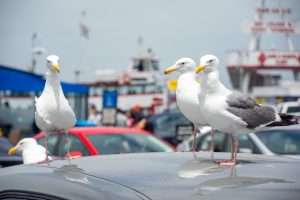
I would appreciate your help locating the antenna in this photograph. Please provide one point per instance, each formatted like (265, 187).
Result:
(140, 45)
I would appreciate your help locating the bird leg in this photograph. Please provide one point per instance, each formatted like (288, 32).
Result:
(67, 145)
(236, 144)
(46, 145)
(234, 147)
(212, 145)
(194, 139)
(212, 139)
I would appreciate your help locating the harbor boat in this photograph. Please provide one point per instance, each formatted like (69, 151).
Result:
(142, 83)
(257, 71)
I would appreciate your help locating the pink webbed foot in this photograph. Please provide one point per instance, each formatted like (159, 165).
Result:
(227, 163)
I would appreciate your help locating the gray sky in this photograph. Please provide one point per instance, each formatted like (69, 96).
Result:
(172, 28)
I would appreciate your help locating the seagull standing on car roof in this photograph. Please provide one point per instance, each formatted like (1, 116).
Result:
(187, 95)
(32, 152)
(53, 112)
(232, 112)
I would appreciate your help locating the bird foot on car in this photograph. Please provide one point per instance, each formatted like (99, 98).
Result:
(227, 163)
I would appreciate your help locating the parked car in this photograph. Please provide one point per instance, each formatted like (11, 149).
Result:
(292, 107)
(154, 176)
(86, 141)
(5, 159)
(166, 123)
(5, 145)
(277, 140)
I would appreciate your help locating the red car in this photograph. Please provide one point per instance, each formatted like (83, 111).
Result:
(86, 141)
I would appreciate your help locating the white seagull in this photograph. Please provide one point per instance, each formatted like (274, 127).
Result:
(53, 112)
(232, 112)
(187, 94)
(32, 152)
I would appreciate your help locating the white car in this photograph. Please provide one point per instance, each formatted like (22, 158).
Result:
(275, 141)
(292, 107)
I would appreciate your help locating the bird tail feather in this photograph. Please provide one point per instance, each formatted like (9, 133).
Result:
(286, 120)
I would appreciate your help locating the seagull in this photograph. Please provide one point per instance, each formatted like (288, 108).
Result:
(53, 112)
(232, 112)
(32, 152)
(187, 94)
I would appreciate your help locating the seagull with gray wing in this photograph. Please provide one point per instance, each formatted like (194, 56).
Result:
(53, 112)
(187, 95)
(232, 112)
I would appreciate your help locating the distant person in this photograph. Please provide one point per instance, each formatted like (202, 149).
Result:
(139, 121)
(6, 105)
(121, 118)
(130, 119)
(94, 115)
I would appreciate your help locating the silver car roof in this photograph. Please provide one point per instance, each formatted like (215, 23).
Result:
(180, 175)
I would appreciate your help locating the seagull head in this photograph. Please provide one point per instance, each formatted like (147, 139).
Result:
(182, 65)
(22, 144)
(52, 63)
(208, 63)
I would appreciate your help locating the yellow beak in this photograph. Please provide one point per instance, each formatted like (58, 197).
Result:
(12, 150)
(170, 69)
(56, 68)
(199, 69)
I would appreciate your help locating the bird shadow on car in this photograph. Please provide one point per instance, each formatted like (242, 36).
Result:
(202, 167)
(233, 181)
(72, 173)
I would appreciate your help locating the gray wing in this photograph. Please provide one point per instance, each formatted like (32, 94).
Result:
(249, 111)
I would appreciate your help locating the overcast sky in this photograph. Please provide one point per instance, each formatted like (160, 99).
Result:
(172, 28)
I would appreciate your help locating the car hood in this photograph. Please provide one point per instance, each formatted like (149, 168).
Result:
(60, 180)
(187, 175)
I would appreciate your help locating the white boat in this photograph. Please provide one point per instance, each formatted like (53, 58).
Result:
(141, 84)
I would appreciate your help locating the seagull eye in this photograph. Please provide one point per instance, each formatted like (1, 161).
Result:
(182, 63)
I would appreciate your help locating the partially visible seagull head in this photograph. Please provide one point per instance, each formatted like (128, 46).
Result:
(52, 63)
(208, 63)
(23, 144)
(182, 65)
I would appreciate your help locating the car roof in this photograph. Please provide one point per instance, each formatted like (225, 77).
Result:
(180, 175)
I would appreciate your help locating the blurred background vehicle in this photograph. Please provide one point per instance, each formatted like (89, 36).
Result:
(5, 159)
(167, 123)
(87, 141)
(292, 107)
(5, 145)
(276, 141)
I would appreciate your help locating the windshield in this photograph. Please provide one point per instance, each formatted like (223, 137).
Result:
(281, 141)
(127, 143)
(293, 109)
(169, 120)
